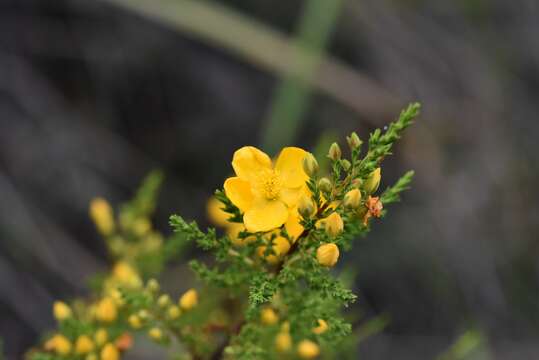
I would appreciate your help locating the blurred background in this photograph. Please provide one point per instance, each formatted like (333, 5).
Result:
(95, 94)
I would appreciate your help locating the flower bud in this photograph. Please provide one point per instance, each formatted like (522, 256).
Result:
(268, 316)
(106, 310)
(189, 299)
(134, 321)
(283, 341)
(143, 314)
(152, 286)
(91, 356)
(306, 207)
(126, 275)
(373, 181)
(310, 165)
(59, 344)
(308, 349)
(110, 352)
(321, 328)
(164, 301)
(155, 334)
(334, 224)
(84, 345)
(124, 342)
(101, 214)
(173, 312)
(327, 255)
(352, 199)
(325, 184)
(61, 310)
(101, 336)
(334, 152)
(354, 141)
(345, 164)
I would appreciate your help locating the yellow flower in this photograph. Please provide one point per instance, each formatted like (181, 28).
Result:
(280, 246)
(61, 310)
(125, 275)
(84, 345)
(283, 341)
(373, 181)
(308, 349)
(101, 214)
(321, 328)
(134, 321)
(352, 199)
(327, 254)
(59, 344)
(264, 192)
(110, 352)
(106, 310)
(101, 336)
(268, 316)
(189, 299)
(334, 224)
(155, 334)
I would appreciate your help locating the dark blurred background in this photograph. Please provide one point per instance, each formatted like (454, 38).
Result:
(95, 94)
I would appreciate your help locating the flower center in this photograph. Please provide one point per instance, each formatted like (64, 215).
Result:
(269, 184)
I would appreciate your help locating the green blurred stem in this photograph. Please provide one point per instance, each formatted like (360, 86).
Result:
(292, 95)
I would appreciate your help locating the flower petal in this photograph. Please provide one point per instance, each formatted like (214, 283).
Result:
(248, 162)
(292, 225)
(239, 192)
(265, 215)
(290, 167)
(215, 213)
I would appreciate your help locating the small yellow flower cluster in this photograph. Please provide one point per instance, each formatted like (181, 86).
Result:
(86, 346)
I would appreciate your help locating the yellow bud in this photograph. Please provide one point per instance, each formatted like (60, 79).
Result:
(126, 275)
(84, 345)
(61, 310)
(106, 310)
(280, 246)
(352, 199)
(325, 184)
(346, 164)
(283, 341)
(134, 321)
(306, 207)
(91, 357)
(141, 226)
(334, 152)
(155, 334)
(268, 316)
(353, 141)
(101, 214)
(173, 312)
(110, 352)
(101, 336)
(321, 328)
(327, 254)
(308, 349)
(59, 344)
(117, 296)
(164, 301)
(334, 224)
(373, 181)
(189, 299)
(143, 314)
(310, 165)
(153, 286)
(285, 327)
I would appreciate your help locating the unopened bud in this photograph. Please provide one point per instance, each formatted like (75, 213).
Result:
(353, 141)
(268, 316)
(134, 321)
(173, 312)
(334, 152)
(327, 255)
(373, 181)
(352, 199)
(306, 207)
(310, 165)
(152, 286)
(155, 334)
(102, 215)
(110, 352)
(325, 184)
(189, 299)
(283, 341)
(164, 301)
(321, 328)
(346, 164)
(61, 310)
(334, 224)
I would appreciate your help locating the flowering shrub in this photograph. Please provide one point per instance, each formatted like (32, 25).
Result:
(270, 293)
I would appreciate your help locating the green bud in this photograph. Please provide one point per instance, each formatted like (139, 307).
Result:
(310, 165)
(373, 181)
(354, 141)
(325, 184)
(152, 286)
(346, 164)
(334, 152)
(306, 207)
(164, 301)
